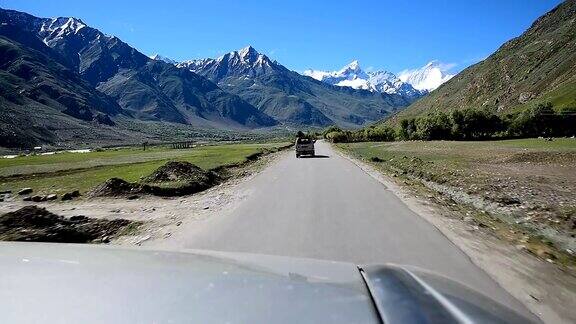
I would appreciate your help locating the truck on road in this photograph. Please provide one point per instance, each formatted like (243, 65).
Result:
(304, 146)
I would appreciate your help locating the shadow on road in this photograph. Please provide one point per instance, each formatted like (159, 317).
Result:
(314, 156)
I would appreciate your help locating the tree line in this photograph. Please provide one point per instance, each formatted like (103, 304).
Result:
(468, 124)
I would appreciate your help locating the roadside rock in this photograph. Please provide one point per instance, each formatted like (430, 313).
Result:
(32, 223)
(171, 179)
(66, 196)
(25, 191)
(505, 200)
(71, 195)
(181, 172)
(115, 187)
(38, 198)
(52, 197)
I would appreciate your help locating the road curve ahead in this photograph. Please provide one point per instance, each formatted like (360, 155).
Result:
(328, 208)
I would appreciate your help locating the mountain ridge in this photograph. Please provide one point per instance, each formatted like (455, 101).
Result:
(42, 101)
(537, 66)
(139, 84)
(290, 97)
(353, 76)
(411, 84)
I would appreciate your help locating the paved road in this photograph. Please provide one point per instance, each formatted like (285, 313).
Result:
(328, 208)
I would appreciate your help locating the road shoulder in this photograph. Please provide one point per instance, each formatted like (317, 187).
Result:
(165, 220)
(544, 288)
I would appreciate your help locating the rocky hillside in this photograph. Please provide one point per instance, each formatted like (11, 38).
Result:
(539, 65)
(73, 70)
(41, 100)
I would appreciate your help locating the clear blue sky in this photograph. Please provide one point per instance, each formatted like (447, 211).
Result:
(301, 34)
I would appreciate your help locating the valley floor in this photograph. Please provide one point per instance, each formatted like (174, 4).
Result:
(344, 208)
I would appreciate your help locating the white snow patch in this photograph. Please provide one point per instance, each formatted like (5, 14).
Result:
(428, 77)
(356, 83)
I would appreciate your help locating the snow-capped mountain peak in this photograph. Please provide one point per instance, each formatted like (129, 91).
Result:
(158, 57)
(350, 75)
(428, 77)
(410, 82)
(62, 25)
(353, 76)
(244, 62)
(249, 56)
(194, 65)
(248, 52)
(56, 28)
(351, 72)
(353, 67)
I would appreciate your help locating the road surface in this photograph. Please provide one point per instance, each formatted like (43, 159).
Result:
(328, 208)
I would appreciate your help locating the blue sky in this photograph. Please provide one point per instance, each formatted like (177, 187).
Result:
(301, 34)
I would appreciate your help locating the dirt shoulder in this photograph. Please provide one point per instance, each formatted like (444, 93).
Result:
(523, 188)
(160, 218)
(547, 289)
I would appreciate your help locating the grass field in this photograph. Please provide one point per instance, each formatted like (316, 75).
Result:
(525, 182)
(446, 161)
(63, 172)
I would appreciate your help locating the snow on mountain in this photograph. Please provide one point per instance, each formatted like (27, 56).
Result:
(195, 65)
(56, 28)
(318, 75)
(62, 25)
(352, 71)
(158, 57)
(289, 96)
(246, 62)
(428, 77)
(353, 76)
(246, 56)
(350, 76)
(388, 82)
(355, 83)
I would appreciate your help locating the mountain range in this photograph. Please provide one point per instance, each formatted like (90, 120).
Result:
(410, 84)
(290, 97)
(144, 88)
(538, 66)
(62, 67)
(63, 80)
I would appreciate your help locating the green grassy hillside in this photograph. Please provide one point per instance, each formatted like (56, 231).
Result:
(539, 66)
